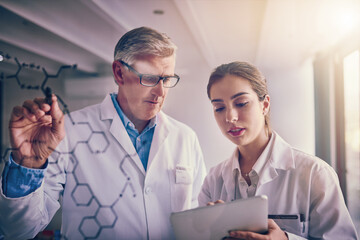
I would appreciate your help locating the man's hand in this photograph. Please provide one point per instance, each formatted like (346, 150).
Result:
(274, 232)
(36, 128)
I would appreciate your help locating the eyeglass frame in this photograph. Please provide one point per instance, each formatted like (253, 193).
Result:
(140, 75)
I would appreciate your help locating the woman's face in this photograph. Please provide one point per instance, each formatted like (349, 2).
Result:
(238, 111)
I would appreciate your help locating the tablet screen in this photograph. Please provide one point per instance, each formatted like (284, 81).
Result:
(214, 222)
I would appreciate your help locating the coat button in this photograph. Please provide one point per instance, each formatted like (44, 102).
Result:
(148, 190)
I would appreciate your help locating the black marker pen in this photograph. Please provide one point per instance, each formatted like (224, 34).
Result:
(48, 95)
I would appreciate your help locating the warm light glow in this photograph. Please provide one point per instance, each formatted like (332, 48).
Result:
(346, 20)
(338, 18)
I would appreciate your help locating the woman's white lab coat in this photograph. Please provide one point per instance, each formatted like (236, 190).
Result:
(106, 192)
(295, 183)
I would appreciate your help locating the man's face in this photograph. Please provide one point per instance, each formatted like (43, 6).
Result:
(141, 103)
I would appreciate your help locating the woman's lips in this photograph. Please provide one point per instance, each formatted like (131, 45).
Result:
(236, 131)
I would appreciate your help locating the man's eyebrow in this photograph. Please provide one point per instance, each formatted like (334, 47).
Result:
(232, 97)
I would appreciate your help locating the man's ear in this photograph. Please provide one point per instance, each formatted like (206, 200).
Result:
(117, 71)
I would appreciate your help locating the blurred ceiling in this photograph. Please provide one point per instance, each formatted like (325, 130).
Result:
(270, 33)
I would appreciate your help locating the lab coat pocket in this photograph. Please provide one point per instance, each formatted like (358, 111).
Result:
(297, 225)
(181, 191)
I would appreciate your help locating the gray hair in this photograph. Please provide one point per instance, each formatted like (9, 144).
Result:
(141, 42)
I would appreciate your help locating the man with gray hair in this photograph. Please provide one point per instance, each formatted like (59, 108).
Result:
(121, 181)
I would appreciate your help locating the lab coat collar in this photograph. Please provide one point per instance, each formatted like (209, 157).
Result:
(107, 109)
(280, 157)
(117, 129)
(229, 171)
(126, 121)
(160, 134)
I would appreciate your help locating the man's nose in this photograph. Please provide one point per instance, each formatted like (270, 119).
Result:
(159, 89)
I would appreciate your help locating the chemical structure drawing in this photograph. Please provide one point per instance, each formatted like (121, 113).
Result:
(96, 142)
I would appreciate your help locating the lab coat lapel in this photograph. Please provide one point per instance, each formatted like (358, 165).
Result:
(229, 177)
(160, 134)
(281, 158)
(118, 131)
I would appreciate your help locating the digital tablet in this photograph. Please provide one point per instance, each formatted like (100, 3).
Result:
(214, 222)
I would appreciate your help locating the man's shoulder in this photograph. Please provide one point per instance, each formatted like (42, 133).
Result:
(87, 109)
(172, 124)
(84, 114)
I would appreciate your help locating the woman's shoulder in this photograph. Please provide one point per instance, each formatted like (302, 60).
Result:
(223, 166)
(308, 160)
(299, 159)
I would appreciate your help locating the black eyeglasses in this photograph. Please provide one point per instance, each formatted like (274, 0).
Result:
(149, 80)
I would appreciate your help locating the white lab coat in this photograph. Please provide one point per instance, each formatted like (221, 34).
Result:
(106, 192)
(295, 183)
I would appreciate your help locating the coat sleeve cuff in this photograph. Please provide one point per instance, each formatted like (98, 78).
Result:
(19, 181)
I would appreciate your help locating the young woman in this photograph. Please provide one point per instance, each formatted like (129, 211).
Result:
(302, 188)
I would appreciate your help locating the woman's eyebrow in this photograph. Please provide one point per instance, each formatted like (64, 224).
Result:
(217, 100)
(238, 94)
(232, 97)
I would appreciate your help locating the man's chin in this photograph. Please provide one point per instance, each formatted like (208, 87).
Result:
(151, 115)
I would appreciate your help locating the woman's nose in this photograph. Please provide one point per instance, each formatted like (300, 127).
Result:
(231, 115)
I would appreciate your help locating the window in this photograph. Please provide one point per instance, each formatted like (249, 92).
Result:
(337, 122)
(351, 76)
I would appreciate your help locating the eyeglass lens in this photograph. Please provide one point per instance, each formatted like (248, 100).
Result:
(151, 80)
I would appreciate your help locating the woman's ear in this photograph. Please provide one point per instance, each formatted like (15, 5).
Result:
(117, 71)
(266, 104)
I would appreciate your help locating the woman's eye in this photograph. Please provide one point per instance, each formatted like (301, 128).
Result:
(219, 109)
(241, 104)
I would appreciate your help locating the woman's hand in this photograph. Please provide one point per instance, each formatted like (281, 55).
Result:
(213, 203)
(36, 128)
(274, 232)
